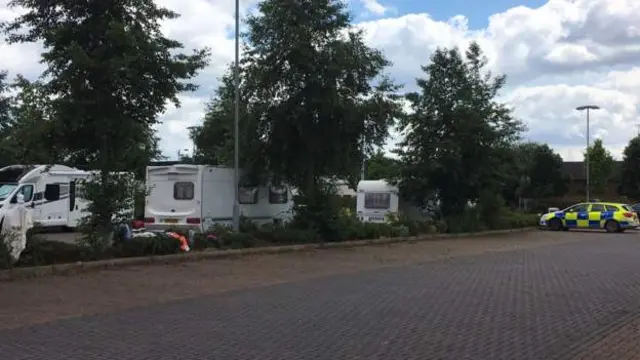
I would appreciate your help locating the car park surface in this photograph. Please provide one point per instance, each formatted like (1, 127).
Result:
(537, 295)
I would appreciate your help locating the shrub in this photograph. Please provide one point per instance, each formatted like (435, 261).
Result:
(400, 231)
(294, 236)
(465, 222)
(144, 246)
(6, 260)
(44, 252)
(238, 240)
(414, 227)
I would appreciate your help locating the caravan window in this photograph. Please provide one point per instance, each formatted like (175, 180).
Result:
(64, 189)
(183, 190)
(248, 195)
(377, 200)
(278, 195)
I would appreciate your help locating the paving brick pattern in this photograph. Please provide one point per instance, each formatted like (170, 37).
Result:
(552, 302)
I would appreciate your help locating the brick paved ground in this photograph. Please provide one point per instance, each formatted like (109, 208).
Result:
(541, 296)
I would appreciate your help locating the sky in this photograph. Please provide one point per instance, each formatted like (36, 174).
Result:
(557, 55)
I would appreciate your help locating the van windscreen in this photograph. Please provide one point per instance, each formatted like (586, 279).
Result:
(6, 189)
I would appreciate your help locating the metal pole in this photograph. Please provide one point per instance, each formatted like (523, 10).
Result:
(364, 158)
(587, 157)
(236, 131)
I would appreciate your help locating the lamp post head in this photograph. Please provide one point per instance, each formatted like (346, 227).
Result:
(590, 107)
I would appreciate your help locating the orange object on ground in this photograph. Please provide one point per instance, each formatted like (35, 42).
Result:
(184, 245)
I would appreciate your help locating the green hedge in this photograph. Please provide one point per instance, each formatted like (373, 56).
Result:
(343, 228)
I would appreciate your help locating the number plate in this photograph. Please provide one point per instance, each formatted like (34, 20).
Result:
(171, 221)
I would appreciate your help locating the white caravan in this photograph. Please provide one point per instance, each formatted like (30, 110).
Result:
(376, 199)
(200, 196)
(53, 192)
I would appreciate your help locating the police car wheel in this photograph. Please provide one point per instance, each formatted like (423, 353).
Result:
(555, 224)
(612, 226)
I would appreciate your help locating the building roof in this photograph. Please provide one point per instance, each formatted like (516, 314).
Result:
(576, 170)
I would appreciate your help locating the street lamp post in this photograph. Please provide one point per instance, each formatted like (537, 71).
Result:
(588, 108)
(236, 131)
(180, 152)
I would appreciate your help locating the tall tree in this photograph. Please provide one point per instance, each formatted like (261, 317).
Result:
(458, 137)
(381, 166)
(601, 167)
(630, 170)
(109, 73)
(5, 119)
(214, 139)
(317, 91)
(34, 133)
(543, 170)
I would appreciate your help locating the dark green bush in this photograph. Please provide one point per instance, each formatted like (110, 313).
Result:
(161, 244)
(238, 240)
(465, 222)
(6, 261)
(43, 252)
(293, 236)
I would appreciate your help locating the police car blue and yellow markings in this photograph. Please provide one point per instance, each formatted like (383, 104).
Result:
(611, 216)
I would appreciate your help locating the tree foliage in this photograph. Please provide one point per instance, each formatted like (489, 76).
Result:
(311, 77)
(381, 166)
(5, 118)
(458, 138)
(214, 139)
(630, 170)
(536, 173)
(316, 96)
(601, 167)
(33, 134)
(109, 73)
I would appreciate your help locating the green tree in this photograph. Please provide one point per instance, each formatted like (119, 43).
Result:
(543, 170)
(109, 73)
(214, 139)
(458, 138)
(317, 93)
(5, 119)
(34, 133)
(380, 166)
(630, 170)
(601, 167)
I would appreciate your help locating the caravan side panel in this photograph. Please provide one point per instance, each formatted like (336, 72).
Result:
(217, 196)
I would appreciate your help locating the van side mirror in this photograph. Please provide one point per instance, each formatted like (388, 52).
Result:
(52, 192)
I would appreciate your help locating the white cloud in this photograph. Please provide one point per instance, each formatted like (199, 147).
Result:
(561, 55)
(374, 7)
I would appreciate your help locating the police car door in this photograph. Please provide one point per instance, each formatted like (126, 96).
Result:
(577, 216)
(595, 216)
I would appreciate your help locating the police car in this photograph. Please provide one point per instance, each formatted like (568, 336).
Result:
(612, 217)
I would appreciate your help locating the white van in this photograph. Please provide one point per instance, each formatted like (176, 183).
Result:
(53, 192)
(376, 200)
(200, 196)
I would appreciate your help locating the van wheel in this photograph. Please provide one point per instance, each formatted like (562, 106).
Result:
(612, 226)
(555, 224)
(68, 229)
